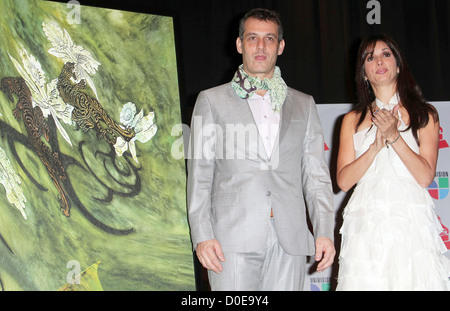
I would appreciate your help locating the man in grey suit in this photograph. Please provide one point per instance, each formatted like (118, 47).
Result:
(256, 158)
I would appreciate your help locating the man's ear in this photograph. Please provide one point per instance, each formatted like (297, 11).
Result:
(281, 47)
(239, 45)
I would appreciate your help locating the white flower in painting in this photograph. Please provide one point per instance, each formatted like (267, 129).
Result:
(11, 182)
(64, 48)
(127, 114)
(144, 128)
(44, 95)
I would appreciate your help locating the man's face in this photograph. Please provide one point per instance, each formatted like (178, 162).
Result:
(260, 47)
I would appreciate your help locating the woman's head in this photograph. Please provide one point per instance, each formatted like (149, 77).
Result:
(380, 61)
(380, 66)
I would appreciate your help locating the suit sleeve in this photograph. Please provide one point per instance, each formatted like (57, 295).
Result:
(317, 186)
(200, 172)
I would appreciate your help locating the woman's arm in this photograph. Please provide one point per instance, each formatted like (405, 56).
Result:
(349, 169)
(423, 165)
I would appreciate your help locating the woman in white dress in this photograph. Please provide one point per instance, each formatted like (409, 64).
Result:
(388, 149)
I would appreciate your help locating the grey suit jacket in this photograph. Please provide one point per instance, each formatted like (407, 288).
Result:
(233, 184)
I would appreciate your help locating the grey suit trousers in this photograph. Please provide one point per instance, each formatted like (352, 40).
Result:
(269, 270)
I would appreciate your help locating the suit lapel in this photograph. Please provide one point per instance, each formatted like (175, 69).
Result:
(243, 111)
(245, 114)
(285, 120)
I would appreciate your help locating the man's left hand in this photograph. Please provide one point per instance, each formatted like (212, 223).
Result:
(325, 253)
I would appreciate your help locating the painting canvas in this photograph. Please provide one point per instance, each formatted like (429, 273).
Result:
(91, 197)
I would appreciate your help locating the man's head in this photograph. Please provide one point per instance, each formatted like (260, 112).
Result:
(262, 15)
(260, 42)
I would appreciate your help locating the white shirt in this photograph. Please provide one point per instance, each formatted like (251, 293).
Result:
(267, 121)
(392, 102)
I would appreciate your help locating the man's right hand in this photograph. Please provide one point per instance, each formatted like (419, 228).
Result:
(210, 255)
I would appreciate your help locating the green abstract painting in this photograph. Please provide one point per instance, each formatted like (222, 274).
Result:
(91, 197)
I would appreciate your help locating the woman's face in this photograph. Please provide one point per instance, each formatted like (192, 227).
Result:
(380, 66)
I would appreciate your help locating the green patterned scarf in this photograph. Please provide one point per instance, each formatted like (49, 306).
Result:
(245, 86)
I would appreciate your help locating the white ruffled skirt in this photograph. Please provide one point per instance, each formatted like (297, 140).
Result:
(390, 239)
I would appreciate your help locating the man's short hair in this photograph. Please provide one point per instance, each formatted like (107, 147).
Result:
(262, 15)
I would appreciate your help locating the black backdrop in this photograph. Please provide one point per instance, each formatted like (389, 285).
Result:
(322, 38)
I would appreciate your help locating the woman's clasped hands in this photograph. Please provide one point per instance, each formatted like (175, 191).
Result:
(387, 123)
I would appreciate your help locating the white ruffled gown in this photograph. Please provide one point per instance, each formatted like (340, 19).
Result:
(390, 233)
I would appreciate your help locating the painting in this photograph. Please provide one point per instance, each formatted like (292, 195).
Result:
(91, 197)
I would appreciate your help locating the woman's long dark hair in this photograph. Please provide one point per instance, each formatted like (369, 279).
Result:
(409, 91)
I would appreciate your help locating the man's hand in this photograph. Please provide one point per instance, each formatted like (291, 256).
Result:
(325, 253)
(210, 254)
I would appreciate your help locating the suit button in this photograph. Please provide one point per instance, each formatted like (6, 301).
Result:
(268, 193)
